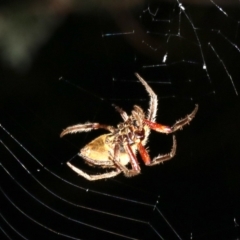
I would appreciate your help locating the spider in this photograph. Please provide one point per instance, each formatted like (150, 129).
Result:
(118, 148)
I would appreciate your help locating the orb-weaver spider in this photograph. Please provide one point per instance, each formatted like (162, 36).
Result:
(119, 147)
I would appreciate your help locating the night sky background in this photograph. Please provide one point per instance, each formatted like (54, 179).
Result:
(197, 191)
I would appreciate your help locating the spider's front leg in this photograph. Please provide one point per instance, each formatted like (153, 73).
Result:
(178, 125)
(86, 128)
(121, 112)
(160, 158)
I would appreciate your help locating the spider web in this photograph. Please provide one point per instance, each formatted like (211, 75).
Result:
(188, 54)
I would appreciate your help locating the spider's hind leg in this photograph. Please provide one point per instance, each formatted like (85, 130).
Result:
(94, 177)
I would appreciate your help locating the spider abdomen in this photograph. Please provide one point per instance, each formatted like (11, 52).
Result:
(99, 151)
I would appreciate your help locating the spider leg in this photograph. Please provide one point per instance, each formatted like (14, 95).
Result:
(94, 177)
(165, 157)
(86, 128)
(116, 160)
(182, 122)
(152, 111)
(158, 127)
(178, 125)
(144, 154)
(121, 111)
(133, 161)
(160, 158)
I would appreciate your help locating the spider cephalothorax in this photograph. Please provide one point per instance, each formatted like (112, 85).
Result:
(118, 148)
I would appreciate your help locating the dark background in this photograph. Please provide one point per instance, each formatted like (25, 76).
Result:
(197, 192)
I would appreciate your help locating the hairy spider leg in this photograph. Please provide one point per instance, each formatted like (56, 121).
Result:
(182, 122)
(133, 161)
(86, 128)
(132, 158)
(94, 177)
(144, 154)
(121, 112)
(178, 125)
(162, 158)
(152, 111)
(157, 126)
(116, 159)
